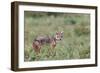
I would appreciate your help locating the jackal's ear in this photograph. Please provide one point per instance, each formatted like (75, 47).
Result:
(62, 31)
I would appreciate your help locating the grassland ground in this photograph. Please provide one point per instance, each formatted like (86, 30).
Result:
(76, 38)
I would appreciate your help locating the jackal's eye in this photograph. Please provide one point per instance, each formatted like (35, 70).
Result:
(61, 36)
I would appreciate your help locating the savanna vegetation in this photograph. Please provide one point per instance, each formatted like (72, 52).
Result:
(76, 38)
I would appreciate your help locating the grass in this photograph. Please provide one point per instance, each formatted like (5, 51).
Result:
(76, 40)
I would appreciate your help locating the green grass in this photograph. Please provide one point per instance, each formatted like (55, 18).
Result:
(76, 40)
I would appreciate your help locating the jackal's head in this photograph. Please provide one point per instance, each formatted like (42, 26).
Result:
(59, 35)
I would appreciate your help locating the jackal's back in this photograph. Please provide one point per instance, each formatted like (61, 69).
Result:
(43, 39)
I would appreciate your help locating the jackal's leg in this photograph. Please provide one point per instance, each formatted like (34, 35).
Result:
(37, 48)
(37, 54)
(52, 48)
